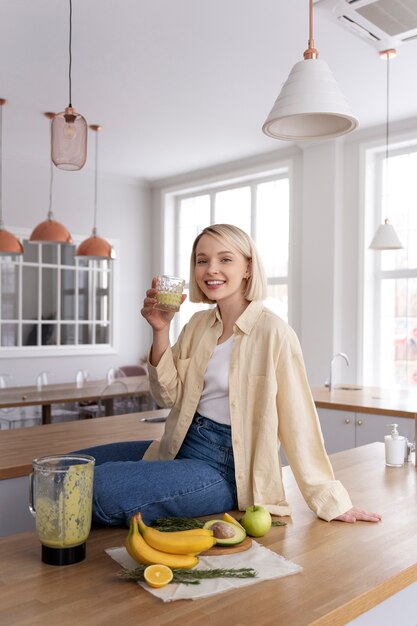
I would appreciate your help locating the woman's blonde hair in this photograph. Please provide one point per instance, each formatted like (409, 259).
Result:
(240, 241)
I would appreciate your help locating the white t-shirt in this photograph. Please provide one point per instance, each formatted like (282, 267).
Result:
(214, 401)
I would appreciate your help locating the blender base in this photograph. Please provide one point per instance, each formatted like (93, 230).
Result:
(63, 556)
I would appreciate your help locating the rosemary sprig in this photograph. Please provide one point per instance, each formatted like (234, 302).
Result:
(171, 524)
(193, 576)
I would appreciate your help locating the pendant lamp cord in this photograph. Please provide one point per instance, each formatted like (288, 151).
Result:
(95, 185)
(70, 52)
(387, 127)
(387, 141)
(51, 176)
(311, 52)
(310, 26)
(1, 167)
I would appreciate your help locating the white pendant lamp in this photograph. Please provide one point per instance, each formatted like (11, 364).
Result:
(95, 247)
(9, 244)
(311, 104)
(385, 237)
(69, 128)
(50, 231)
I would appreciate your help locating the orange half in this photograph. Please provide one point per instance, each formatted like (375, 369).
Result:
(158, 575)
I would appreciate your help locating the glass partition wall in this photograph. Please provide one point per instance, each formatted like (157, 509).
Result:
(48, 297)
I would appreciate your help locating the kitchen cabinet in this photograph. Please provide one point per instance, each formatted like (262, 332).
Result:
(349, 429)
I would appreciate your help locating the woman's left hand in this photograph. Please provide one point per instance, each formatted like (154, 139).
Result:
(356, 515)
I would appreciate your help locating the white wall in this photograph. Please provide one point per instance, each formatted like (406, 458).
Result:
(124, 214)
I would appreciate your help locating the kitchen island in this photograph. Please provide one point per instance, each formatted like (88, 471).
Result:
(352, 416)
(348, 568)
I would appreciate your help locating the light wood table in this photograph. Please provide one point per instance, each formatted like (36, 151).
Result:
(70, 392)
(347, 568)
(18, 447)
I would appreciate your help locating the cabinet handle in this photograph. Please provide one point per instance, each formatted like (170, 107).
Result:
(347, 421)
(359, 422)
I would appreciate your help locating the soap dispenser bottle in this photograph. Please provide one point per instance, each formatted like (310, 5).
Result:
(394, 447)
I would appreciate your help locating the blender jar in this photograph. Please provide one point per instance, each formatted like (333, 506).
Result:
(60, 499)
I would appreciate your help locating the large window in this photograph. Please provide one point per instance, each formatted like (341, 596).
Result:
(390, 329)
(260, 206)
(48, 297)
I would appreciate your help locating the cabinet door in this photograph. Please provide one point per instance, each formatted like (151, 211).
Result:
(371, 427)
(338, 428)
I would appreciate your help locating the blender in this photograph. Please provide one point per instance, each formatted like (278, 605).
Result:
(60, 499)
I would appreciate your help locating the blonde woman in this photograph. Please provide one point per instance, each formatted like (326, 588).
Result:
(236, 384)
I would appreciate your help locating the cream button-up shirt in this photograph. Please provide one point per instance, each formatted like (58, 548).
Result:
(270, 405)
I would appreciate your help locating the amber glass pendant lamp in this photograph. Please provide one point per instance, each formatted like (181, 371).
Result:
(69, 128)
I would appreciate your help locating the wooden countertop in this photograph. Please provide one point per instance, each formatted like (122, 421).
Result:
(18, 447)
(348, 569)
(398, 402)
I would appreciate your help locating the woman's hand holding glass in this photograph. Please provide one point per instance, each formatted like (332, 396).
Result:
(157, 318)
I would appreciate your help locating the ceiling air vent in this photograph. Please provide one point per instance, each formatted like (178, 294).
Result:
(385, 23)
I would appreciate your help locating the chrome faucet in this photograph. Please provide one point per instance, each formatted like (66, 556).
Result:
(328, 383)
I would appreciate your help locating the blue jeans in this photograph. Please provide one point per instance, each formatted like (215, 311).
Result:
(199, 481)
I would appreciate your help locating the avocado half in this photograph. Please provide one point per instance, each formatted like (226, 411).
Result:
(226, 533)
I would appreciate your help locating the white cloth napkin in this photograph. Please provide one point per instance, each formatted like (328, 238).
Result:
(266, 563)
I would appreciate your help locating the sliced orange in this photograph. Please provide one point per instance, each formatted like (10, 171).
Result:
(158, 575)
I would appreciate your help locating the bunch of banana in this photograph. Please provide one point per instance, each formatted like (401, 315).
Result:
(174, 549)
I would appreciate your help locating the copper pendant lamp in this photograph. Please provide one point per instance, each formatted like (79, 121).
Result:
(9, 244)
(311, 104)
(385, 237)
(69, 128)
(50, 231)
(95, 247)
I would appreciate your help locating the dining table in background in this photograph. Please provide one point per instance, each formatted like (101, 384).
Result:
(90, 391)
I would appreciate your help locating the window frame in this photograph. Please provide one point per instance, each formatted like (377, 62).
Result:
(374, 155)
(41, 351)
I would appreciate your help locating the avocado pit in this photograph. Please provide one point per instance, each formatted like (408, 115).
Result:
(225, 533)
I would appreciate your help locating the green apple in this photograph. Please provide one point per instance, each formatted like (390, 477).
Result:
(256, 521)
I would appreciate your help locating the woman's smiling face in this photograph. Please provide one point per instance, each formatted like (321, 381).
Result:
(220, 269)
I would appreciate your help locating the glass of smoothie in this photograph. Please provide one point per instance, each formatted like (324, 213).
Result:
(169, 294)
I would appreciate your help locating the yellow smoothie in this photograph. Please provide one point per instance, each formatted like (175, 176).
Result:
(67, 520)
(168, 300)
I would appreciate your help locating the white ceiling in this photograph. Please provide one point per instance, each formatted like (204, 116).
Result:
(178, 84)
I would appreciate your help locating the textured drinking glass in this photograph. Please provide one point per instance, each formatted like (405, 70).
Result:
(169, 293)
